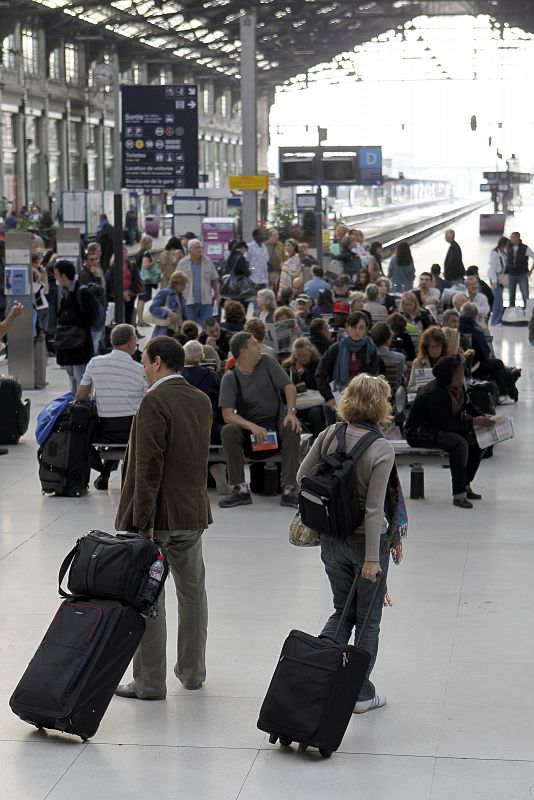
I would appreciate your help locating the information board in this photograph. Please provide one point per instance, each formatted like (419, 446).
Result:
(159, 137)
(330, 166)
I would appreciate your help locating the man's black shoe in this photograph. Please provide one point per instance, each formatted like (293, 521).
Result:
(471, 495)
(236, 498)
(101, 483)
(3, 451)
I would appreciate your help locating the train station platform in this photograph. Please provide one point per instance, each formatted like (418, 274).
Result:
(456, 651)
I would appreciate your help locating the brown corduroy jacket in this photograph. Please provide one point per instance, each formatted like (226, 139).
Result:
(165, 473)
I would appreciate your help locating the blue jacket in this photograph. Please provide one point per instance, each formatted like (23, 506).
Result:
(166, 299)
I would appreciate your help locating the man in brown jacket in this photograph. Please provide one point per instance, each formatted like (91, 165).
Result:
(164, 496)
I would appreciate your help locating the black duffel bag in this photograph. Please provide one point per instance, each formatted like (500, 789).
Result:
(115, 567)
(238, 287)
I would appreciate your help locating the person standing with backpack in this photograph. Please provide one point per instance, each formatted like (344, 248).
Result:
(77, 314)
(379, 518)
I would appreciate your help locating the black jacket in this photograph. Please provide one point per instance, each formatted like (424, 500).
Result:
(431, 413)
(350, 261)
(105, 240)
(238, 264)
(322, 343)
(307, 376)
(390, 303)
(453, 267)
(325, 371)
(77, 308)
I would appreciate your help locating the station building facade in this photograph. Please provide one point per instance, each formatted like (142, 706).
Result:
(56, 125)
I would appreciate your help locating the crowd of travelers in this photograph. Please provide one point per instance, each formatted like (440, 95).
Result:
(247, 355)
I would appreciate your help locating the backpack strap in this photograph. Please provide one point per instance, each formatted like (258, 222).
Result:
(360, 447)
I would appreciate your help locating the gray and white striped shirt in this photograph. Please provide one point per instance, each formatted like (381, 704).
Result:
(118, 384)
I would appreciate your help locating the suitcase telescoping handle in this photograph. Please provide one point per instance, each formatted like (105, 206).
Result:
(349, 601)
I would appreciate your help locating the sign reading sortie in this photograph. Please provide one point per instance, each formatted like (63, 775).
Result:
(159, 137)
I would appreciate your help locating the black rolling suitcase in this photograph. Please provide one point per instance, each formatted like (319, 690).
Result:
(14, 413)
(315, 686)
(65, 459)
(70, 680)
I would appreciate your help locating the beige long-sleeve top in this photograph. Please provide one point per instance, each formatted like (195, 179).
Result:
(373, 469)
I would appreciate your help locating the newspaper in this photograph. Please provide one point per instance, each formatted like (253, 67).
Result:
(500, 431)
(423, 375)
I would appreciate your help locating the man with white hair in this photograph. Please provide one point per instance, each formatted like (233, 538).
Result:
(202, 289)
(475, 296)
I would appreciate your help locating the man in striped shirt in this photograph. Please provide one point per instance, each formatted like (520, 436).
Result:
(117, 384)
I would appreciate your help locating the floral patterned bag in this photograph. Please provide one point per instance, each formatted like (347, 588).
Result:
(300, 535)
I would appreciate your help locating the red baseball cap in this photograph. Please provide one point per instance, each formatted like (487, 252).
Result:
(341, 307)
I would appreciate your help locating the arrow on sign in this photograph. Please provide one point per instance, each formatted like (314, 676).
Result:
(191, 104)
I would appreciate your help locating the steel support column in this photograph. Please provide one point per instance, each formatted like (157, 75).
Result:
(247, 28)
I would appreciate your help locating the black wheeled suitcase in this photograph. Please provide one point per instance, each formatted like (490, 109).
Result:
(70, 680)
(14, 413)
(65, 459)
(315, 686)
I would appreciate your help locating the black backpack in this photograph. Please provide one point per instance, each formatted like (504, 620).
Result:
(328, 500)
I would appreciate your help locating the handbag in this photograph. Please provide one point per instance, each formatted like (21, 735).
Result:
(238, 287)
(308, 399)
(115, 567)
(152, 319)
(152, 275)
(69, 337)
(300, 535)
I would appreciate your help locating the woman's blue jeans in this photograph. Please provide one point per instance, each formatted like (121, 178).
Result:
(496, 314)
(343, 560)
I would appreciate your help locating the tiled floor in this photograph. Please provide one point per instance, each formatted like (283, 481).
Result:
(456, 659)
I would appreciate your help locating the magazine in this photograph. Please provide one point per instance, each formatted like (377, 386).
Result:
(269, 443)
(500, 431)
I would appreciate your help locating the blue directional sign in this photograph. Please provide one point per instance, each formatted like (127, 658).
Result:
(370, 164)
(160, 137)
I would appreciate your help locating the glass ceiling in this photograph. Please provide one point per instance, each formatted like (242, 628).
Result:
(431, 48)
(164, 26)
(302, 38)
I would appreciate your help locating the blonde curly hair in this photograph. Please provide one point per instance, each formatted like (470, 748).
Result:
(366, 398)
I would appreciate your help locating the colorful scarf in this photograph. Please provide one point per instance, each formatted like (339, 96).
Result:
(365, 346)
(394, 505)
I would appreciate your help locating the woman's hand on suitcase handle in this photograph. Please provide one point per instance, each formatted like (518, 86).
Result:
(371, 570)
(148, 533)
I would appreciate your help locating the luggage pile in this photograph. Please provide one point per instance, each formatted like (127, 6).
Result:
(115, 582)
(67, 455)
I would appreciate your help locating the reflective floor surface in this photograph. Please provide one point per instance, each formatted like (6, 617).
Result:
(456, 657)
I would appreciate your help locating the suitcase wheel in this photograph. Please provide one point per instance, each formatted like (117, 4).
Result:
(325, 753)
(273, 738)
(302, 748)
(285, 742)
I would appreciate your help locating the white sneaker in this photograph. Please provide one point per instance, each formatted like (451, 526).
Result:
(369, 705)
(218, 473)
(504, 400)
